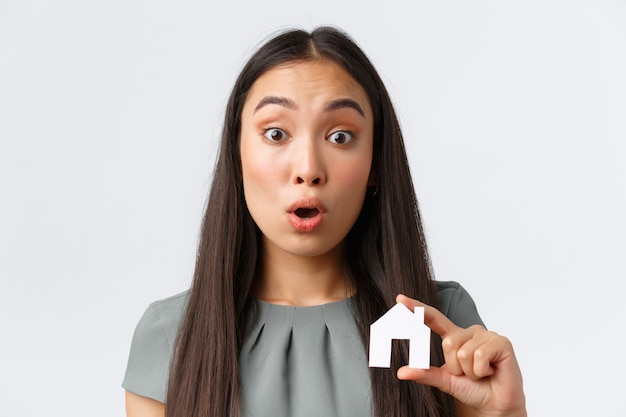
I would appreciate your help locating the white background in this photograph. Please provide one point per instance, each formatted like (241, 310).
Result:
(515, 120)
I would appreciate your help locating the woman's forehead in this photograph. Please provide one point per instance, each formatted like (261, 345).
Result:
(307, 83)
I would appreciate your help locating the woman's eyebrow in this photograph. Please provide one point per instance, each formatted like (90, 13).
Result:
(281, 101)
(343, 103)
(333, 105)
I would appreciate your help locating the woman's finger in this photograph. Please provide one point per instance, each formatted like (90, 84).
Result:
(492, 353)
(473, 354)
(434, 377)
(433, 318)
(455, 358)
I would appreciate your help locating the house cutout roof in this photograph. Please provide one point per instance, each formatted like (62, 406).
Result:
(400, 323)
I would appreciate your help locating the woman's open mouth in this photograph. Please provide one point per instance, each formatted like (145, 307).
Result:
(306, 215)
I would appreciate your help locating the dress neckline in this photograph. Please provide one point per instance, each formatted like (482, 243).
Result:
(268, 304)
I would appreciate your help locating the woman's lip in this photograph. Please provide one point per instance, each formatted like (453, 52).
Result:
(306, 224)
(309, 203)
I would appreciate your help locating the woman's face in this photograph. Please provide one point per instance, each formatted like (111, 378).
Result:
(306, 155)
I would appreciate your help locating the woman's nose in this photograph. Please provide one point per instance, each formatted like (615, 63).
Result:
(308, 164)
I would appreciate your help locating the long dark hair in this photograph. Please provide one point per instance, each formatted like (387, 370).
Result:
(386, 250)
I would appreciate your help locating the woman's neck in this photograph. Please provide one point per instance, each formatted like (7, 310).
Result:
(295, 280)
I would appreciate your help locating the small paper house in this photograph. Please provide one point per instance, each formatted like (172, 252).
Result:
(400, 323)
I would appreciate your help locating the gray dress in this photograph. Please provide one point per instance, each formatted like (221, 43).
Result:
(296, 361)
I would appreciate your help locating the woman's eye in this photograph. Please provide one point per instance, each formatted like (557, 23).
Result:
(341, 137)
(275, 134)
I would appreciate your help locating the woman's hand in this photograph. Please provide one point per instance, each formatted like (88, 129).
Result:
(480, 368)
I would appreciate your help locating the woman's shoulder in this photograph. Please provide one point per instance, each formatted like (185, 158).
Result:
(170, 307)
(457, 304)
(166, 313)
(152, 347)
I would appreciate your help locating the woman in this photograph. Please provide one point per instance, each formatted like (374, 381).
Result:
(311, 232)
